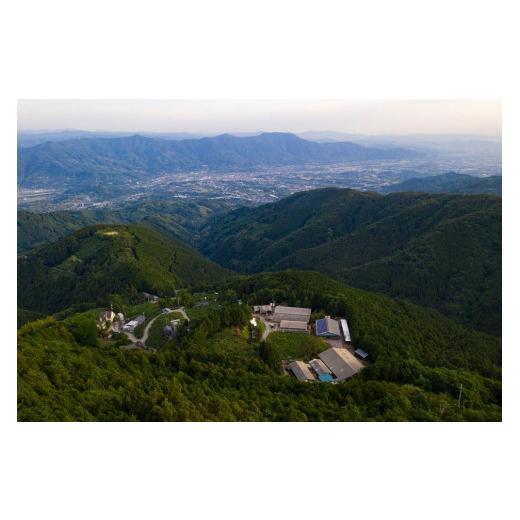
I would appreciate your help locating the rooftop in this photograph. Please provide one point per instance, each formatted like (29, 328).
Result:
(292, 310)
(327, 326)
(345, 329)
(319, 366)
(296, 325)
(341, 362)
(301, 371)
(361, 353)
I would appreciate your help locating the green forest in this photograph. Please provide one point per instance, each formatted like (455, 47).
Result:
(437, 250)
(417, 276)
(212, 372)
(99, 261)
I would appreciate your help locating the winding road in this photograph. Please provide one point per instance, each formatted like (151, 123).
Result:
(134, 339)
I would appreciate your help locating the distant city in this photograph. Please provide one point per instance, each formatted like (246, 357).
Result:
(262, 184)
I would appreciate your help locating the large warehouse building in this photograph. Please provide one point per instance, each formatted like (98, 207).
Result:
(294, 326)
(291, 314)
(340, 362)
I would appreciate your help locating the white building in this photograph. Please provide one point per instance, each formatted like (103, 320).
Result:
(345, 330)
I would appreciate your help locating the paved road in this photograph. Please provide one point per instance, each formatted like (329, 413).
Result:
(267, 328)
(133, 339)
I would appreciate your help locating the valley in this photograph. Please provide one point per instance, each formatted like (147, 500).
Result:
(142, 290)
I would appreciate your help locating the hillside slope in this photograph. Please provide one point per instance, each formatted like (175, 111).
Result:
(420, 359)
(101, 260)
(450, 183)
(178, 219)
(440, 251)
(96, 162)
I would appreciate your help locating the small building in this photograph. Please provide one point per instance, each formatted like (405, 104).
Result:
(120, 317)
(106, 323)
(345, 330)
(301, 371)
(294, 326)
(319, 367)
(105, 316)
(151, 298)
(175, 323)
(341, 362)
(328, 328)
(361, 353)
(283, 313)
(266, 309)
(169, 332)
(166, 310)
(256, 308)
(132, 324)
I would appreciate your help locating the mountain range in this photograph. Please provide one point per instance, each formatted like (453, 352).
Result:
(441, 251)
(101, 161)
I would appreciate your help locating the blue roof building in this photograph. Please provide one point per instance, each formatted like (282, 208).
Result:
(327, 328)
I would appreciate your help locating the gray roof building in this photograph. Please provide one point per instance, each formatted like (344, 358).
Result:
(168, 331)
(291, 314)
(319, 367)
(301, 371)
(293, 326)
(140, 319)
(361, 353)
(341, 362)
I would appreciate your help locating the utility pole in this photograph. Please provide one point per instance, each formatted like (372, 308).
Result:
(460, 393)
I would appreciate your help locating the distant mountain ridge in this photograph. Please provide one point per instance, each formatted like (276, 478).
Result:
(450, 182)
(98, 161)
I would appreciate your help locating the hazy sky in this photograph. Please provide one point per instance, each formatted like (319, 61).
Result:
(197, 116)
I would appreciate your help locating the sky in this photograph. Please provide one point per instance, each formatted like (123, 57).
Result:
(370, 117)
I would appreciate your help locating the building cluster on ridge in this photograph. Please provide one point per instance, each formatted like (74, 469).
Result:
(341, 361)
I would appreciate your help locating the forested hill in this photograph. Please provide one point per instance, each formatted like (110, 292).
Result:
(177, 219)
(450, 183)
(93, 162)
(420, 359)
(98, 261)
(440, 251)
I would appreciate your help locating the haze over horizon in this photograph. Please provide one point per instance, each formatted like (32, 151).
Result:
(398, 117)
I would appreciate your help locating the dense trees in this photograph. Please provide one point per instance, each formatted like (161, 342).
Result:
(178, 219)
(222, 379)
(420, 360)
(440, 251)
(99, 261)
